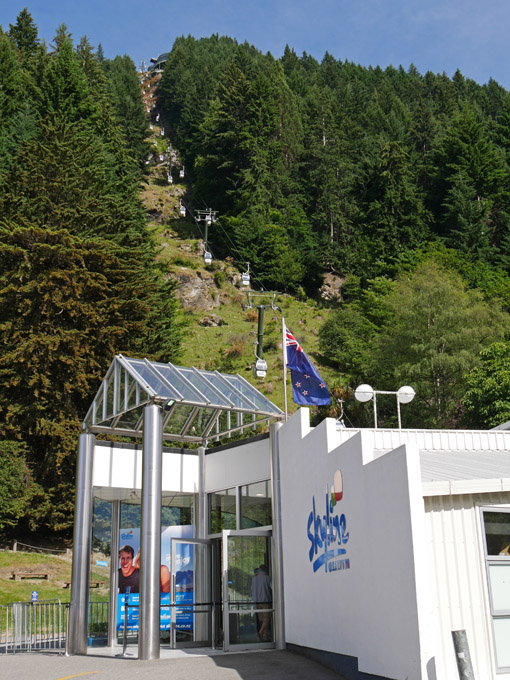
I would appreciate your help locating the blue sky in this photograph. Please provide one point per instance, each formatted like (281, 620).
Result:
(434, 35)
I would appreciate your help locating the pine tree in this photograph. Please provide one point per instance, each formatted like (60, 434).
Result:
(395, 217)
(64, 88)
(25, 36)
(128, 104)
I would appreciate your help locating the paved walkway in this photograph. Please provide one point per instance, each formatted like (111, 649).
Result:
(177, 665)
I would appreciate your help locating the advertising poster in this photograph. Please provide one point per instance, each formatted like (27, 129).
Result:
(129, 577)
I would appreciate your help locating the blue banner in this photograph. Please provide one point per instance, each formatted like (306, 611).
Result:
(130, 563)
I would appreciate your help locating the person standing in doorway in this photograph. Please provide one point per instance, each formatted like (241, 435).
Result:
(262, 596)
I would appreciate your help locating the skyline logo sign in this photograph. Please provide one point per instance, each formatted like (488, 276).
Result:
(328, 533)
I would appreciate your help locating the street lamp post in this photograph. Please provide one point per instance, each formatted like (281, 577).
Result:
(404, 395)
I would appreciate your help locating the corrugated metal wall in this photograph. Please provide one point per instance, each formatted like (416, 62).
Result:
(458, 580)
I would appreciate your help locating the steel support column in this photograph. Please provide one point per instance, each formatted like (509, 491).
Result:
(114, 574)
(278, 599)
(80, 576)
(150, 535)
(201, 518)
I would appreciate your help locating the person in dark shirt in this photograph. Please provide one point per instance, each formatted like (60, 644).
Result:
(262, 596)
(129, 575)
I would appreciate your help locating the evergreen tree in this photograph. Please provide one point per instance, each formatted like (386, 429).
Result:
(395, 217)
(67, 306)
(128, 105)
(17, 490)
(25, 36)
(64, 88)
(466, 216)
(465, 149)
(61, 36)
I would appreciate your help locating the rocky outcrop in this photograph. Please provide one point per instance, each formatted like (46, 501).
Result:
(196, 289)
(331, 289)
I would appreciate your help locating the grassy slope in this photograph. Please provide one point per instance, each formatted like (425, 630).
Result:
(229, 347)
(59, 573)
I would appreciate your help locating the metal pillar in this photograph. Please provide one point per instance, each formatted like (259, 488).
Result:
(260, 331)
(114, 574)
(278, 598)
(202, 629)
(80, 576)
(462, 655)
(201, 518)
(150, 535)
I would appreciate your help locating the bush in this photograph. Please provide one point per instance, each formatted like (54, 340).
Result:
(219, 278)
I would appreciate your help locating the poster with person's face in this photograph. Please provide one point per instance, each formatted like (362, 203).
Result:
(129, 577)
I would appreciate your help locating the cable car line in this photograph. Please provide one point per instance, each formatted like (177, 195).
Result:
(247, 276)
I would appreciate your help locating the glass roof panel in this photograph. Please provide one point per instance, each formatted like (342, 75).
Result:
(109, 396)
(99, 407)
(178, 419)
(251, 393)
(130, 419)
(132, 391)
(174, 376)
(201, 421)
(196, 399)
(221, 383)
(153, 380)
(211, 395)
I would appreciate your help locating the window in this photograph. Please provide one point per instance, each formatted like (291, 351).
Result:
(497, 554)
(497, 533)
(256, 505)
(241, 507)
(222, 510)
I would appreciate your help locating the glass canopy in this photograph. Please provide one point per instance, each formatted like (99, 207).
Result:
(197, 405)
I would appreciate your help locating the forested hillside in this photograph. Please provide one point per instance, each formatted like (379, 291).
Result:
(398, 182)
(394, 183)
(78, 276)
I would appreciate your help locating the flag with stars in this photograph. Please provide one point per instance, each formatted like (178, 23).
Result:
(308, 388)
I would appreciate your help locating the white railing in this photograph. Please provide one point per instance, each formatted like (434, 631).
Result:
(30, 626)
(431, 440)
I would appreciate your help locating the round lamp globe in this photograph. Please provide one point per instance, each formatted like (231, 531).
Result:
(364, 393)
(405, 394)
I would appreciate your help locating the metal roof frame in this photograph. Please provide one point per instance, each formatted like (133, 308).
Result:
(195, 402)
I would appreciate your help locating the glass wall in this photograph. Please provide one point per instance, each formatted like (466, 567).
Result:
(256, 505)
(240, 507)
(223, 510)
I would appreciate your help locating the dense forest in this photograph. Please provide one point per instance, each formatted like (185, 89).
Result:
(78, 277)
(396, 182)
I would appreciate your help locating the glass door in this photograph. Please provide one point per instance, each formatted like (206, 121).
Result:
(191, 612)
(248, 613)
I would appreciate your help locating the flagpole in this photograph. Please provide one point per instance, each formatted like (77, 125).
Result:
(284, 350)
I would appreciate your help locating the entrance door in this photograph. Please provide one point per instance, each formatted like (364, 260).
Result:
(192, 611)
(246, 575)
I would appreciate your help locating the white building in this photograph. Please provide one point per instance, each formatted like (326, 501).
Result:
(427, 514)
(380, 542)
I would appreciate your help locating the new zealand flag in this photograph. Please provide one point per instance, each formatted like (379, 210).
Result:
(307, 385)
